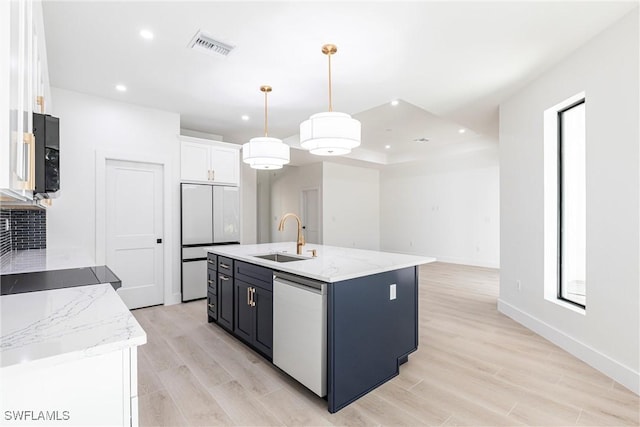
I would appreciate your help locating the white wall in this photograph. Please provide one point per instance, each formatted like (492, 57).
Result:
(286, 188)
(607, 334)
(89, 124)
(248, 205)
(446, 206)
(350, 206)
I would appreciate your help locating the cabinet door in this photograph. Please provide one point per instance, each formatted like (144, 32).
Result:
(195, 161)
(20, 121)
(263, 314)
(226, 214)
(225, 165)
(225, 301)
(244, 318)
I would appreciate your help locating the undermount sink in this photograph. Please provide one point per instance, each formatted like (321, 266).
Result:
(280, 257)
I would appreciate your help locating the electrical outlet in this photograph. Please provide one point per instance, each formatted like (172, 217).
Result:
(518, 285)
(392, 292)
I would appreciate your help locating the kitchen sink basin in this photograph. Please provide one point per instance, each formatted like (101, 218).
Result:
(280, 257)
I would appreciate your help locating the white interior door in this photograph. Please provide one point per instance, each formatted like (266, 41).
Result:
(134, 230)
(311, 215)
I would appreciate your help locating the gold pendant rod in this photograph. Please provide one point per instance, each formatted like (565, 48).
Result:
(265, 89)
(330, 100)
(329, 49)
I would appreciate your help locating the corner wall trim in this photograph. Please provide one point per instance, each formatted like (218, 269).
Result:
(611, 368)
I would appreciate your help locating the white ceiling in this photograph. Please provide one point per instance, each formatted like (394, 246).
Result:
(449, 63)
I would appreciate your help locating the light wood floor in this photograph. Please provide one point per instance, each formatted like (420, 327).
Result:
(474, 367)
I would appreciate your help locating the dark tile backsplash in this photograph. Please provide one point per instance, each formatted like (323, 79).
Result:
(5, 235)
(28, 229)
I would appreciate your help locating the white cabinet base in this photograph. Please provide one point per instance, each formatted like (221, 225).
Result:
(99, 390)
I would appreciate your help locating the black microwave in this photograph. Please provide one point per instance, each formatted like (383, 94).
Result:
(46, 130)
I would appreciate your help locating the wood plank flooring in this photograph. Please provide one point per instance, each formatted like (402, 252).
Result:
(474, 367)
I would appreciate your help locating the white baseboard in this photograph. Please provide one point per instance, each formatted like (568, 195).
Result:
(611, 368)
(463, 261)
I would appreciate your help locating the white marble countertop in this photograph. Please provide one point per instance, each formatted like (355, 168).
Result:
(333, 264)
(29, 260)
(50, 327)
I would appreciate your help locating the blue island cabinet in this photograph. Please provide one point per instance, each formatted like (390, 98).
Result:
(253, 306)
(372, 328)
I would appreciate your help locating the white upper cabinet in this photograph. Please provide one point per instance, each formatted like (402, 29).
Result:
(195, 161)
(209, 161)
(24, 84)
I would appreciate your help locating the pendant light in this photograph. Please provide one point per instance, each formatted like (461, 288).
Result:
(264, 152)
(330, 133)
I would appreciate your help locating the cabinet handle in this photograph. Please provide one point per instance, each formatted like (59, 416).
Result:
(222, 265)
(225, 278)
(210, 282)
(30, 140)
(212, 306)
(253, 297)
(40, 102)
(210, 261)
(248, 296)
(213, 174)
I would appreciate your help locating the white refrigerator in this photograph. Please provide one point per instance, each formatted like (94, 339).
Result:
(210, 215)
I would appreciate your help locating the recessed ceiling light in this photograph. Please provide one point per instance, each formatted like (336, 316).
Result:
(387, 146)
(395, 102)
(244, 117)
(121, 88)
(146, 34)
(462, 130)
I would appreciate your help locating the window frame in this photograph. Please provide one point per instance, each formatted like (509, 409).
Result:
(560, 196)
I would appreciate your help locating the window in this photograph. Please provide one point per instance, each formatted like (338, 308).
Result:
(571, 200)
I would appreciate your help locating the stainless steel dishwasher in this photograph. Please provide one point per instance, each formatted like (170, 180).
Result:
(300, 330)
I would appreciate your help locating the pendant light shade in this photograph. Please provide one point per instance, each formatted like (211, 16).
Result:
(330, 133)
(264, 152)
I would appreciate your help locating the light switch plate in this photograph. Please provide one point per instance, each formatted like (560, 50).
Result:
(392, 292)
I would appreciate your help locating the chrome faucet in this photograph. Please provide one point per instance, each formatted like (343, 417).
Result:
(300, 242)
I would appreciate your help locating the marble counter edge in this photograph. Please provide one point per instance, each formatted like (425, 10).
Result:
(290, 267)
(135, 338)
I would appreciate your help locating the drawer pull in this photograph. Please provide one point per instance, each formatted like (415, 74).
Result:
(210, 282)
(222, 265)
(225, 278)
(212, 306)
(210, 261)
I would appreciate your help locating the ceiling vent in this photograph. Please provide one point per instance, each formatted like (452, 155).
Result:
(205, 43)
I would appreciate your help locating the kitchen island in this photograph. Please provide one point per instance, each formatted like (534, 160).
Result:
(362, 334)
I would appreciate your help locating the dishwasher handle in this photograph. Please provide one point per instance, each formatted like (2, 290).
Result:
(301, 283)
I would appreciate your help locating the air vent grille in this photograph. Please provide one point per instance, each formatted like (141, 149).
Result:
(205, 43)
